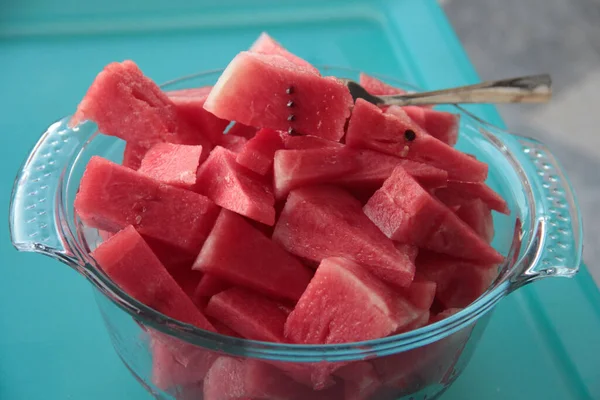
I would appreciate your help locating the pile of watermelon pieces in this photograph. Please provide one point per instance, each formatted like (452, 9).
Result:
(273, 207)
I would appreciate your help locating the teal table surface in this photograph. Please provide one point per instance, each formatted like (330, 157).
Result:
(541, 341)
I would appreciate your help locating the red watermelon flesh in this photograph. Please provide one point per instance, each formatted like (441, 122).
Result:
(224, 329)
(190, 105)
(360, 380)
(377, 87)
(242, 130)
(308, 142)
(257, 155)
(265, 44)
(133, 155)
(297, 168)
(441, 125)
(325, 221)
(128, 260)
(370, 128)
(459, 282)
(112, 197)
(346, 303)
(253, 83)
(407, 213)
(235, 187)
(250, 314)
(444, 314)
(458, 193)
(420, 293)
(374, 168)
(233, 143)
(173, 258)
(410, 250)
(478, 216)
(242, 255)
(235, 379)
(187, 280)
(125, 103)
(169, 373)
(210, 285)
(175, 164)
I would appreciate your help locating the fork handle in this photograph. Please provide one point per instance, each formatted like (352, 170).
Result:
(527, 89)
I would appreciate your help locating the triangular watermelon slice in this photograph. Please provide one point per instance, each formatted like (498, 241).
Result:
(407, 213)
(298, 168)
(235, 187)
(174, 164)
(394, 133)
(459, 282)
(457, 193)
(374, 168)
(294, 96)
(345, 303)
(248, 313)
(441, 125)
(125, 103)
(128, 260)
(257, 155)
(111, 197)
(324, 221)
(242, 255)
(478, 216)
(233, 143)
(190, 105)
(265, 44)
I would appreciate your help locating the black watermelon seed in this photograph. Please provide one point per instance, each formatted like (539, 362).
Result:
(290, 104)
(289, 90)
(410, 135)
(291, 117)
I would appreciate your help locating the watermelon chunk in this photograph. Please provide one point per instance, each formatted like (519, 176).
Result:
(345, 303)
(233, 143)
(459, 282)
(125, 103)
(253, 82)
(175, 164)
(374, 168)
(242, 255)
(377, 87)
(407, 213)
(209, 285)
(478, 216)
(190, 105)
(324, 221)
(308, 142)
(252, 315)
(242, 130)
(298, 168)
(257, 155)
(457, 193)
(235, 187)
(128, 260)
(112, 197)
(133, 155)
(439, 124)
(420, 293)
(265, 44)
(370, 128)
(360, 380)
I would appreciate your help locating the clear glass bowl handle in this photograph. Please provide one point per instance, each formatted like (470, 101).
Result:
(557, 245)
(34, 223)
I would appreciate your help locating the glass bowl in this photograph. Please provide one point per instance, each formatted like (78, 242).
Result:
(541, 238)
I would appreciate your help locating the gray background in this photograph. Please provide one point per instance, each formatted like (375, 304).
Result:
(507, 38)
